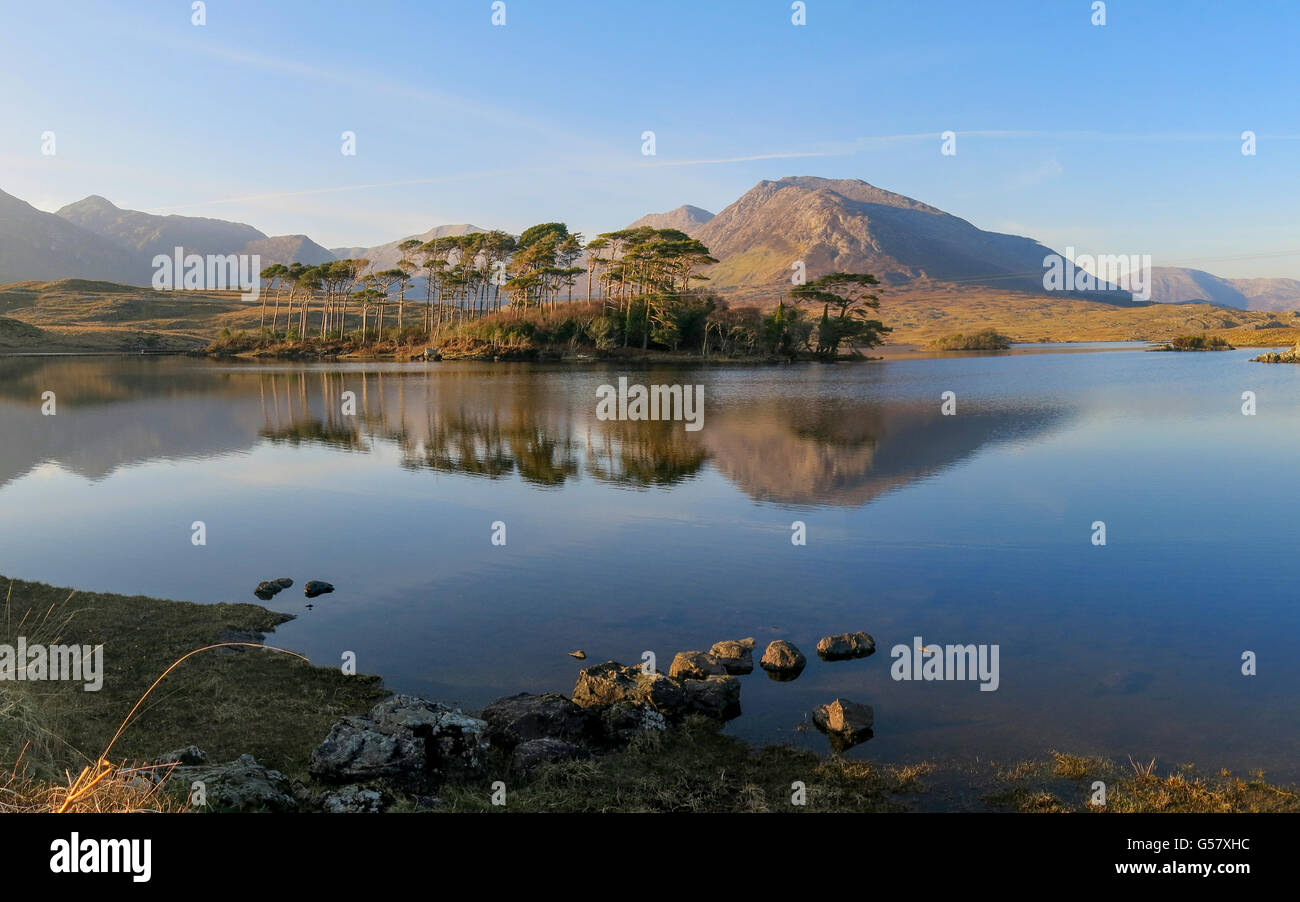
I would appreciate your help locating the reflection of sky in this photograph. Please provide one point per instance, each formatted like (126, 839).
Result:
(1132, 648)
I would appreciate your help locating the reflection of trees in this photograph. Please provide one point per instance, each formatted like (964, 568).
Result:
(644, 453)
(814, 448)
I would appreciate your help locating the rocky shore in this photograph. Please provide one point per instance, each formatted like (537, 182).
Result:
(407, 750)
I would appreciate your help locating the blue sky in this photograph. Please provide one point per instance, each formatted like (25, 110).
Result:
(1123, 138)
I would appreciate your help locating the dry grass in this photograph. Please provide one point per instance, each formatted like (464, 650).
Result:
(235, 698)
(102, 316)
(1065, 783)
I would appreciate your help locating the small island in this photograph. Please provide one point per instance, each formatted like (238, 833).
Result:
(1195, 343)
(984, 340)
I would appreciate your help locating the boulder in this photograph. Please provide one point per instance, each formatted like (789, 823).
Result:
(525, 717)
(846, 646)
(354, 800)
(736, 656)
(714, 696)
(415, 743)
(846, 723)
(315, 587)
(695, 665)
(783, 661)
(611, 683)
(528, 756)
(622, 722)
(242, 785)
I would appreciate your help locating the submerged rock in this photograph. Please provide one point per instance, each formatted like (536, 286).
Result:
(695, 665)
(846, 646)
(316, 587)
(846, 723)
(735, 655)
(783, 661)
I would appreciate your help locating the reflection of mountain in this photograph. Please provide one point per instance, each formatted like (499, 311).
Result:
(850, 453)
(490, 422)
(103, 423)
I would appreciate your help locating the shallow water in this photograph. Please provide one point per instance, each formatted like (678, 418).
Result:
(625, 537)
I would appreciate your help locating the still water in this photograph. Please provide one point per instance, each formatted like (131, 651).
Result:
(624, 537)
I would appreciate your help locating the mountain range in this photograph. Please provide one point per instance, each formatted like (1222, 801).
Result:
(828, 224)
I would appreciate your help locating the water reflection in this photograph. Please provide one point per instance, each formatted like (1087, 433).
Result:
(487, 422)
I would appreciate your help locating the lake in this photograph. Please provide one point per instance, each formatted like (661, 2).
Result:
(623, 537)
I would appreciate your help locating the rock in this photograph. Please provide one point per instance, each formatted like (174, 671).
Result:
(240, 786)
(267, 591)
(846, 723)
(579, 654)
(622, 722)
(782, 661)
(354, 800)
(528, 756)
(525, 717)
(715, 696)
(316, 587)
(190, 755)
(846, 646)
(416, 743)
(695, 665)
(272, 587)
(611, 683)
(736, 656)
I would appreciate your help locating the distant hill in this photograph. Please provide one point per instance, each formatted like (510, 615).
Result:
(1180, 285)
(288, 249)
(849, 225)
(386, 256)
(146, 234)
(39, 245)
(685, 218)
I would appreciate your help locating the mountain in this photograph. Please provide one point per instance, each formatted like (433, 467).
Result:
(39, 245)
(849, 225)
(385, 256)
(685, 218)
(145, 234)
(288, 249)
(1270, 294)
(1180, 285)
